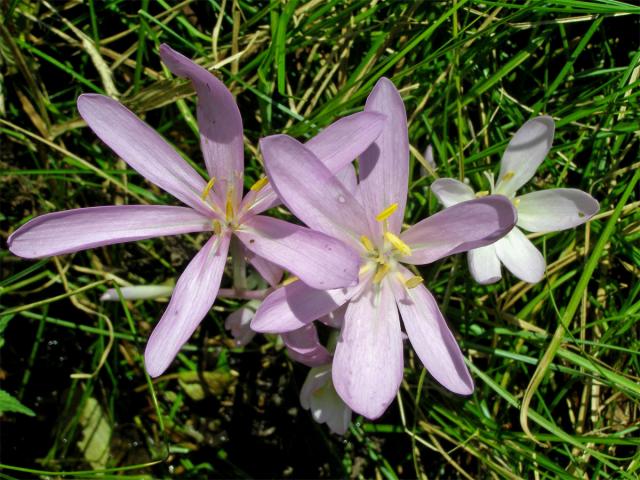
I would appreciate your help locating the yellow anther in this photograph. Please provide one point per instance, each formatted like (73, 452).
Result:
(516, 202)
(387, 212)
(398, 244)
(208, 188)
(289, 281)
(366, 243)
(413, 282)
(259, 185)
(382, 271)
(229, 205)
(482, 193)
(217, 228)
(508, 176)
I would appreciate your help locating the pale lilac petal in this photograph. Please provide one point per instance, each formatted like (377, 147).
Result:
(384, 166)
(304, 346)
(484, 264)
(459, 228)
(524, 154)
(219, 121)
(520, 256)
(429, 157)
(192, 299)
(73, 230)
(271, 272)
(310, 190)
(368, 362)
(239, 323)
(555, 209)
(334, 319)
(319, 396)
(142, 148)
(137, 292)
(344, 140)
(431, 338)
(317, 259)
(296, 305)
(449, 191)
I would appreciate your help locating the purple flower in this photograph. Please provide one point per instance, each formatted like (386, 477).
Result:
(368, 362)
(544, 211)
(216, 206)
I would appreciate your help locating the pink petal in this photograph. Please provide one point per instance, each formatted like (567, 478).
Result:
(296, 305)
(73, 230)
(334, 319)
(431, 338)
(143, 149)
(318, 260)
(384, 166)
(459, 228)
(344, 140)
(524, 154)
(304, 346)
(368, 362)
(219, 121)
(449, 191)
(238, 323)
(521, 257)
(484, 264)
(555, 209)
(192, 298)
(271, 272)
(310, 190)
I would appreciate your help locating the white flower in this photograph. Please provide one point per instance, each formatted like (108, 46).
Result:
(319, 396)
(543, 211)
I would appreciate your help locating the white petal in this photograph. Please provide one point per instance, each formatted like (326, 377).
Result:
(555, 209)
(449, 191)
(484, 264)
(520, 256)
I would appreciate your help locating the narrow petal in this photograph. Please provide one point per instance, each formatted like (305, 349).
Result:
(142, 148)
(431, 338)
(304, 346)
(219, 121)
(555, 209)
(271, 272)
(310, 190)
(73, 230)
(334, 319)
(484, 264)
(384, 166)
(459, 228)
(524, 154)
(344, 140)
(317, 259)
(521, 257)
(296, 305)
(449, 191)
(137, 292)
(368, 362)
(192, 299)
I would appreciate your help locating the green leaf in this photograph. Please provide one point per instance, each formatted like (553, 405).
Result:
(9, 403)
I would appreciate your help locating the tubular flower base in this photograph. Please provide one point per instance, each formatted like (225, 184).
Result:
(368, 363)
(215, 206)
(544, 211)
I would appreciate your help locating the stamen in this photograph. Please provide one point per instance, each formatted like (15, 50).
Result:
(516, 202)
(398, 244)
(366, 243)
(413, 282)
(482, 193)
(208, 188)
(217, 228)
(259, 185)
(290, 280)
(508, 176)
(382, 271)
(387, 212)
(229, 204)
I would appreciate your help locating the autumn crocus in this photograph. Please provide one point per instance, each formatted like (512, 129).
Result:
(542, 211)
(215, 206)
(368, 362)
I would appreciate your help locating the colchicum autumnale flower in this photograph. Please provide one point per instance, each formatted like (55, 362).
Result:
(216, 206)
(542, 211)
(368, 362)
